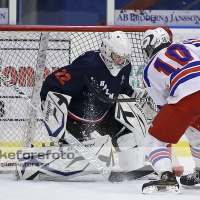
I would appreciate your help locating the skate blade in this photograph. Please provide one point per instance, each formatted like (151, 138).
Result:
(153, 190)
(194, 187)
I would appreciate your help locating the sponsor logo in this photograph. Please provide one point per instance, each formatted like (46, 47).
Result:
(106, 89)
(49, 111)
(157, 17)
(24, 76)
(122, 79)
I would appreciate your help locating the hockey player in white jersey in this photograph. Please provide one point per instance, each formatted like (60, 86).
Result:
(172, 79)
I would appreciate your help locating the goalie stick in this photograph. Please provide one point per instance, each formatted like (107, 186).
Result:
(104, 98)
(108, 100)
(84, 151)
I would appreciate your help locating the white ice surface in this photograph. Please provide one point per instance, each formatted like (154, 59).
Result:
(93, 187)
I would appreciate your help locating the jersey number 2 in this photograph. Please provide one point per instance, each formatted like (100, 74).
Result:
(63, 76)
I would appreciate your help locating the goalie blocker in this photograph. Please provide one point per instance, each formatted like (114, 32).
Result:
(55, 110)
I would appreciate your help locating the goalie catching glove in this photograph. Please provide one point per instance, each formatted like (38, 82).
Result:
(146, 103)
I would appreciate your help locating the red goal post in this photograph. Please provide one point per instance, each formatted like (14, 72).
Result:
(43, 28)
(29, 53)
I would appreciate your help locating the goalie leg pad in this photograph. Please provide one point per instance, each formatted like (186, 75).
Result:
(130, 156)
(78, 166)
(29, 161)
(131, 159)
(65, 162)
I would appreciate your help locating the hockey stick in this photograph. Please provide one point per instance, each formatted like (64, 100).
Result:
(104, 98)
(84, 151)
(108, 100)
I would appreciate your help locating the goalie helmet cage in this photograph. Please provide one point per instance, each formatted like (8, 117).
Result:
(29, 53)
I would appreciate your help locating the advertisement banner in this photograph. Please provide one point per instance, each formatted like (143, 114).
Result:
(157, 17)
(3, 15)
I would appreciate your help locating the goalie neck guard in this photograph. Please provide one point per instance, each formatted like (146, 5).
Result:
(116, 51)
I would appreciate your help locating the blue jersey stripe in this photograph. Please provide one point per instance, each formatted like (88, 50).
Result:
(184, 78)
(145, 74)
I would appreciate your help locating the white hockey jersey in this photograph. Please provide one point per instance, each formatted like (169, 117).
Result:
(174, 72)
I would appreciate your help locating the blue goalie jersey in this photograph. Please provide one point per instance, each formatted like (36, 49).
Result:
(85, 105)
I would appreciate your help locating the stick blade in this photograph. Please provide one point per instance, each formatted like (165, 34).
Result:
(132, 175)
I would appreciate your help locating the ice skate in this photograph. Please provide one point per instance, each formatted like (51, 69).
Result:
(166, 185)
(191, 181)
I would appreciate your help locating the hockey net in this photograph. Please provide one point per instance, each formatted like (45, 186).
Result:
(28, 55)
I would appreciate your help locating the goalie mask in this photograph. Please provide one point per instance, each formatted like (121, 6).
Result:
(153, 41)
(116, 50)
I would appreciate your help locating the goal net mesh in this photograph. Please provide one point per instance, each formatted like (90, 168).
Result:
(18, 57)
(19, 53)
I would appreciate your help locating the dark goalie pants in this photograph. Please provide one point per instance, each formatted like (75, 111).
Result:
(108, 126)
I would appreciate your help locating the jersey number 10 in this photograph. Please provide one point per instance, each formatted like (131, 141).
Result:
(177, 53)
